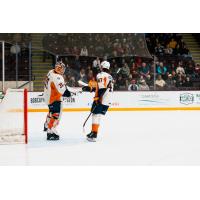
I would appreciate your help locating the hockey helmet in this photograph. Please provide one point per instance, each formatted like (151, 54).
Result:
(105, 65)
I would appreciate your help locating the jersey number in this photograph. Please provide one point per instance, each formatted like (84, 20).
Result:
(61, 85)
(100, 80)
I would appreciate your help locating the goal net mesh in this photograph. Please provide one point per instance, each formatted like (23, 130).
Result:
(12, 117)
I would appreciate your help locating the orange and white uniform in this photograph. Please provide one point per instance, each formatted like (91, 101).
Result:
(102, 99)
(103, 80)
(54, 87)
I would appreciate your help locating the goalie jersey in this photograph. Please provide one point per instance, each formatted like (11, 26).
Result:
(104, 81)
(54, 87)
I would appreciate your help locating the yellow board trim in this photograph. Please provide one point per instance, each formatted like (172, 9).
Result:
(115, 109)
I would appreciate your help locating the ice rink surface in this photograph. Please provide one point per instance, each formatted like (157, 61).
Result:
(125, 138)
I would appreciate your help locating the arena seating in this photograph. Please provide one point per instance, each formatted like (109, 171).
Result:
(129, 52)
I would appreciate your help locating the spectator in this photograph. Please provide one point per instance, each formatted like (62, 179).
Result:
(174, 75)
(115, 70)
(90, 75)
(84, 51)
(77, 63)
(177, 50)
(133, 71)
(96, 63)
(149, 80)
(72, 81)
(82, 76)
(120, 83)
(185, 51)
(143, 86)
(133, 86)
(197, 70)
(172, 44)
(180, 81)
(181, 44)
(171, 67)
(75, 50)
(180, 70)
(189, 70)
(125, 71)
(160, 83)
(92, 83)
(162, 70)
(170, 83)
(187, 82)
(144, 70)
(141, 79)
(168, 50)
(159, 50)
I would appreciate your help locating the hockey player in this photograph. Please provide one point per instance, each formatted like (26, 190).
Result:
(54, 89)
(101, 100)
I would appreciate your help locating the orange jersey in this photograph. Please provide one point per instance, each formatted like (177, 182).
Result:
(54, 87)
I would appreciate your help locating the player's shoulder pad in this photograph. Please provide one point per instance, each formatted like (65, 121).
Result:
(99, 74)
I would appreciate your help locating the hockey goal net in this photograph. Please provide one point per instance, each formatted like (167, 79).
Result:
(13, 117)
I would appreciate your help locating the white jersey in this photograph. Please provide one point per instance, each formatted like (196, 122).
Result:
(103, 79)
(54, 87)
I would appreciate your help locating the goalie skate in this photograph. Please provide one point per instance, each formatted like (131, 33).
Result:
(51, 135)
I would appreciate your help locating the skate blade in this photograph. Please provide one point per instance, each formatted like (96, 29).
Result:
(91, 139)
(53, 139)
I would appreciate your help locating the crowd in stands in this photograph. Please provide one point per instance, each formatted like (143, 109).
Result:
(165, 65)
(137, 74)
(96, 44)
(163, 44)
(165, 72)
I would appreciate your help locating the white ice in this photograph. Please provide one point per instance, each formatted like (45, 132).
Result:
(125, 138)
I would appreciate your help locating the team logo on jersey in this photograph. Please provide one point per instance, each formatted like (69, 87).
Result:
(186, 98)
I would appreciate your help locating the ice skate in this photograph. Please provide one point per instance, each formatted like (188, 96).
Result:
(91, 137)
(52, 135)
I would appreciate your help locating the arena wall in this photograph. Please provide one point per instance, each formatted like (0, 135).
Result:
(125, 101)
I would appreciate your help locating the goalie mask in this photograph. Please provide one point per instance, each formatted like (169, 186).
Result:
(60, 67)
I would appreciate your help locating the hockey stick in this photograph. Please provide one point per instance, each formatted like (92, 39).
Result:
(82, 83)
(108, 87)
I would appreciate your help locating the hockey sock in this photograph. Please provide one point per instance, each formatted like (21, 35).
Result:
(95, 128)
(95, 122)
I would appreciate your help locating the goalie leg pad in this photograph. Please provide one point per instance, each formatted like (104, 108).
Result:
(53, 121)
(47, 121)
(55, 113)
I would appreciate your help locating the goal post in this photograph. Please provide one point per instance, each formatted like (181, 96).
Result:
(26, 115)
(14, 117)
